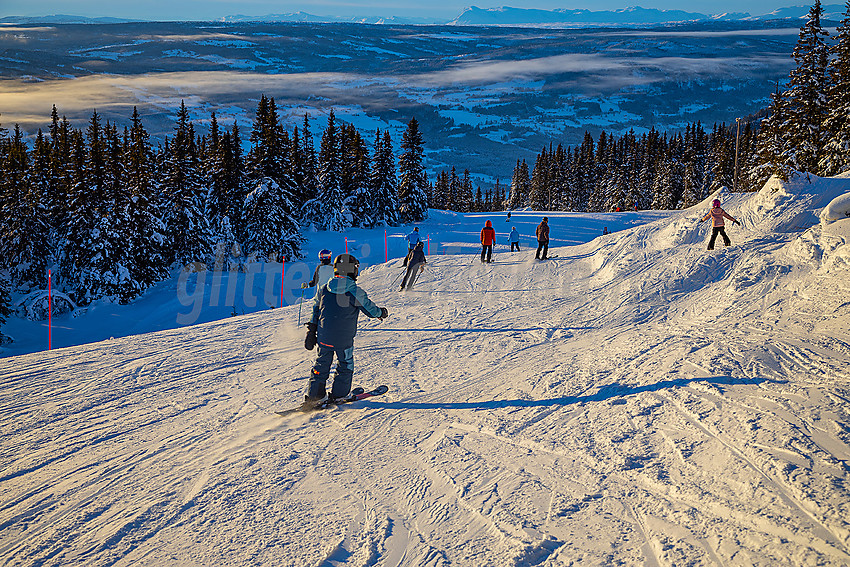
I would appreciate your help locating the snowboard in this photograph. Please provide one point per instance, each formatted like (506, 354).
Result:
(355, 395)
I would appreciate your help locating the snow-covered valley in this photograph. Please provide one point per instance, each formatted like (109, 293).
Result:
(633, 400)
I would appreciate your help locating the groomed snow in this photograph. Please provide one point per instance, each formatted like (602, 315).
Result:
(634, 400)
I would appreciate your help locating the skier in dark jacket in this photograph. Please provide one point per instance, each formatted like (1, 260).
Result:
(542, 238)
(333, 326)
(415, 265)
(488, 239)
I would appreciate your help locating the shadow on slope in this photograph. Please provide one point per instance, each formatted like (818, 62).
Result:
(613, 392)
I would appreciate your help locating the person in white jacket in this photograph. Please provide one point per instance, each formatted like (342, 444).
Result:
(324, 271)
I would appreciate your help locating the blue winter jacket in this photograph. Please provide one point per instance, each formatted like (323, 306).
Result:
(412, 239)
(335, 310)
(514, 235)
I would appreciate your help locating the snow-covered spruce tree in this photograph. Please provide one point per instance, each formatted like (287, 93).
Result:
(540, 185)
(499, 198)
(381, 206)
(24, 229)
(412, 197)
(440, 191)
(147, 246)
(303, 165)
(772, 146)
(272, 233)
(271, 230)
(325, 212)
(520, 186)
(215, 178)
(355, 176)
(183, 192)
(806, 95)
(836, 153)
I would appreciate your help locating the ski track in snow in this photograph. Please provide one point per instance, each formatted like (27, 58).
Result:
(634, 401)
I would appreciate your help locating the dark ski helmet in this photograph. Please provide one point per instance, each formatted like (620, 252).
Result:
(347, 265)
(715, 203)
(325, 256)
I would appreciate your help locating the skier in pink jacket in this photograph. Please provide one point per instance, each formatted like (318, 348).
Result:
(717, 214)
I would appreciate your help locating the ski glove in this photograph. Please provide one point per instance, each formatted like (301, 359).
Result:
(312, 339)
(384, 313)
(305, 285)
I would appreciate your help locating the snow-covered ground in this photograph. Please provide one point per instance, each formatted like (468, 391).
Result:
(635, 400)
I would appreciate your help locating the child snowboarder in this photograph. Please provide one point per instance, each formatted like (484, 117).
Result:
(488, 239)
(514, 238)
(717, 214)
(414, 266)
(542, 238)
(324, 271)
(333, 326)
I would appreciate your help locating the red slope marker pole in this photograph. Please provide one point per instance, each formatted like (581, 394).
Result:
(282, 271)
(386, 248)
(49, 309)
(346, 245)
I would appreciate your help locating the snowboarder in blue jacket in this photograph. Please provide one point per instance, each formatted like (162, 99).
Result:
(333, 326)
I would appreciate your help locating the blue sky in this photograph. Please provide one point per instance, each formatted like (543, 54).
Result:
(212, 9)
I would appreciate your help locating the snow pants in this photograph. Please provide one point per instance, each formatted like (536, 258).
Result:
(487, 251)
(322, 369)
(721, 230)
(514, 245)
(542, 246)
(411, 275)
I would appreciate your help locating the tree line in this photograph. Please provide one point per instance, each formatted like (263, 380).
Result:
(111, 214)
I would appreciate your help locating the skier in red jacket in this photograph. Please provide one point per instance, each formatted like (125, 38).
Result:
(488, 239)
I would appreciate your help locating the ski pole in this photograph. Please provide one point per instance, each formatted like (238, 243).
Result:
(299, 306)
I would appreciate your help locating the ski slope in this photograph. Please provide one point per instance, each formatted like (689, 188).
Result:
(636, 400)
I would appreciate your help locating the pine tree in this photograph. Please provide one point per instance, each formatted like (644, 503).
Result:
(355, 179)
(187, 227)
(806, 95)
(325, 212)
(539, 197)
(272, 230)
(382, 204)
(773, 153)
(412, 197)
(146, 233)
(836, 153)
(520, 186)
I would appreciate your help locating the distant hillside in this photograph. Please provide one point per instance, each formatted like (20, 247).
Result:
(502, 16)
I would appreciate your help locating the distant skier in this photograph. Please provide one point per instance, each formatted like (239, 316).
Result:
(542, 238)
(412, 240)
(509, 217)
(488, 239)
(414, 266)
(604, 231)
(717, 214)
(333, 326)
(324, 271)
(514, 238)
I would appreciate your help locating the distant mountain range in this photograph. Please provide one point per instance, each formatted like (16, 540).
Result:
(504, 16)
